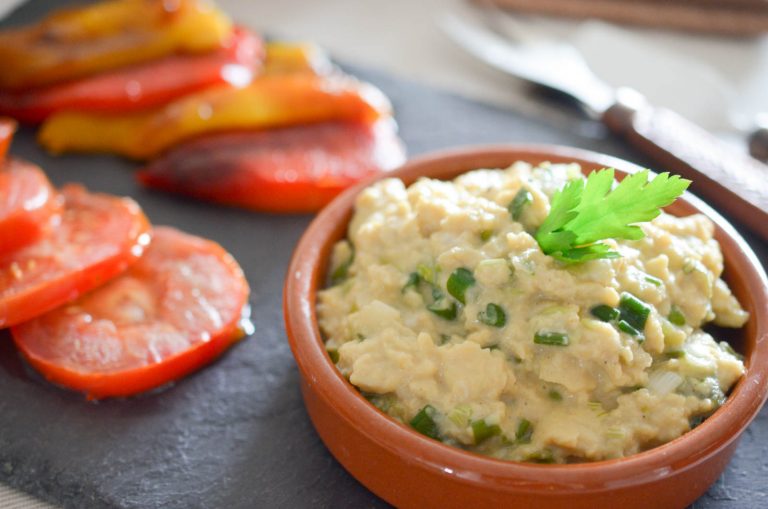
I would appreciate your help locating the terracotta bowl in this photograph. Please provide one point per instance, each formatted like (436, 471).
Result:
(409, 470)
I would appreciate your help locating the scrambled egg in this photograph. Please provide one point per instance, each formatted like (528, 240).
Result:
(445, 313)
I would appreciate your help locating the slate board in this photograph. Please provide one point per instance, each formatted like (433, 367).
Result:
(236, 434)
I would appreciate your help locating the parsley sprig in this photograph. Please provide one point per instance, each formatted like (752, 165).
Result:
(584, 213)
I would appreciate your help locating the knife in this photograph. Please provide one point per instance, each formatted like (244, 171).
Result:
(732, 180)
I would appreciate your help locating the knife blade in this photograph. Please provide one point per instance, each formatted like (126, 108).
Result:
(731, 180)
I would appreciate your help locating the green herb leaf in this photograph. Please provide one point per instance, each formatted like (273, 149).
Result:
(582, 214)
(458, 282)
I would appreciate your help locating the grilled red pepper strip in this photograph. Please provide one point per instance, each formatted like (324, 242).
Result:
(293, 169)
(143, 85)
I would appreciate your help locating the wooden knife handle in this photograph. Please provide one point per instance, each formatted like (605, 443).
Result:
(758, 144)
(730, 180)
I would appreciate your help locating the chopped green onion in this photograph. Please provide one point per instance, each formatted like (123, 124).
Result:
(604, 312)
(413, 281)
(555, 395)
(483, 431)
(427, 273)
(551, 338)
(518, 203)
(663, 382)
(460, 415)
(729, 349)
(676, 316)
(634, 311)
(493, 315)
(595, 406)
(341, 272)
(524, 431)
(542, 456)
(424, 423)
(696, 420)
(624, 326)
(383, 402)
(486, 235)
(689, 265)
(458, 282)
(717, 396)
(444, 308)
(675, 354)
(334, 355)
(653, 280)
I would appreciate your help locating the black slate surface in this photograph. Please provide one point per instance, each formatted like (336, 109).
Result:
(236, 434)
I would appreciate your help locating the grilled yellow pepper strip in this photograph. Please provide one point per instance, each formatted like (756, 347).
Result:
(289, 57)
(270, 101)
(78, 42)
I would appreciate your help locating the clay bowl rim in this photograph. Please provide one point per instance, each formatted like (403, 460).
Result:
(306, 274)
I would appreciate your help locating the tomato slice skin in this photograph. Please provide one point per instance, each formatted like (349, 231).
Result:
(172, 312)
(140, 86)
(7, 128)
(289, 170)
(28, 204)
(94, 239)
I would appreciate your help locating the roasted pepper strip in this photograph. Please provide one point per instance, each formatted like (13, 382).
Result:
(7, 128)
(290, 169)
(290, 58)
(74, 43)
(270, 101)
(141, 86)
